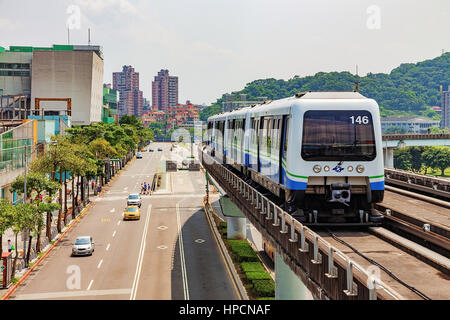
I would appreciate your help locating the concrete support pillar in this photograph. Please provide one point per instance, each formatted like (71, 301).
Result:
(236, 228)
(388, 155)
(288, 285)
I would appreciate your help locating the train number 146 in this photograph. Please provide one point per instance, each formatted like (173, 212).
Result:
(360, 119)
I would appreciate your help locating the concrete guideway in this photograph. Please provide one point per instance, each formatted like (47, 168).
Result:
(138, 259)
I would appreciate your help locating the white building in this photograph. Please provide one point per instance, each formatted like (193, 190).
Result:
(75, 73)
(410, 124)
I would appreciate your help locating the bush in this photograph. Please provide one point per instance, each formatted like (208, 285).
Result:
(264, 288)
(266, 298)
(252, 266)
(257, 275)
(242, 250)
(223, 228)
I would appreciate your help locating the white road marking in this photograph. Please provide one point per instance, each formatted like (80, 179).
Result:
(118, 222)
(141, 256)
(107, 247)
(162, 228)
(162, 247)
(99, 264)
(114, 233)
(200, 240)
(112, 210)
(183, 261)
(90, 285)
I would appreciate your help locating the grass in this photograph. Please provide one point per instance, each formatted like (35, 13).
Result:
(252, 267)
(257, 275)
(264, 288)
(242, 250)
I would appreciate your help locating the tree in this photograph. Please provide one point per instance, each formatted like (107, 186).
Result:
(402, 159)
(20, 219)
(416, 158)
(437, 157)
(6, 212)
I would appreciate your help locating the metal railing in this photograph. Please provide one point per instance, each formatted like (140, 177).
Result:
(418, 181)
(271, 212)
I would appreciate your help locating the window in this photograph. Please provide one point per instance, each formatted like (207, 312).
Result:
(338, 136)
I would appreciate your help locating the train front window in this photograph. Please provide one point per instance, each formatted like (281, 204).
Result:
(338, 136)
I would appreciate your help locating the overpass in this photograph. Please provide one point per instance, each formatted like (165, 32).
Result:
(392, 141)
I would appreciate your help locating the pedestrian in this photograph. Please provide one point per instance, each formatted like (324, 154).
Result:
(145, 187)
(142, 188)
(92, 185)
(10, 246)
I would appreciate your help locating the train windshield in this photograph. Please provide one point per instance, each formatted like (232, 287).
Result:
(338, 136)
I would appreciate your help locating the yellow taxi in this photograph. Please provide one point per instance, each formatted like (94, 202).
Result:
(132, 213)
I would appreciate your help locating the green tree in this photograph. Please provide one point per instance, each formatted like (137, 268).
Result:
(6, 218)
(402, 159)
(437, 157)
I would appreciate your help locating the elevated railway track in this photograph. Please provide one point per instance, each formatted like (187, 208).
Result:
(362, 263)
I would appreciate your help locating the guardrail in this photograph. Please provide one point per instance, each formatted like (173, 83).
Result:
(416, 136)
(312, 257)
(420, 182)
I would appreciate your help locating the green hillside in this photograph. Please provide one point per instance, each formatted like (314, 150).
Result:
(408, 90)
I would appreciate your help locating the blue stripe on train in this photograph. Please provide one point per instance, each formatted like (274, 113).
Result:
(377, 185)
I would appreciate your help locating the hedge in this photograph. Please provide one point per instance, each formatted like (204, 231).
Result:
(242, 250)
(257, 275)
(264, 288)
(252, 266)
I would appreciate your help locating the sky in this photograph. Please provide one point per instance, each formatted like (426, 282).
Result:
(217, 46)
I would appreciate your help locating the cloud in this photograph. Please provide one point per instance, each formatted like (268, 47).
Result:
(100, 6)
(6, 24)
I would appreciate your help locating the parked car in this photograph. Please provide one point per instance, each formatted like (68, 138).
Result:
(83, 246)
(139, 155)
(132, 213)
(150, 150)
(134, 200)
(160, 149)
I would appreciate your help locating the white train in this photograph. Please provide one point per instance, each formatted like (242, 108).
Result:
(319, 152)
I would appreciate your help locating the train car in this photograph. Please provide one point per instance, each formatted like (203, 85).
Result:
(319, 152)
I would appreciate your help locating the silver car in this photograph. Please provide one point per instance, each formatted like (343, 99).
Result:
(134, 200)
(83, 246)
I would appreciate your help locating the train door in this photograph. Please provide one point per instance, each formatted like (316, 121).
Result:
(258, 126)
(283, 148)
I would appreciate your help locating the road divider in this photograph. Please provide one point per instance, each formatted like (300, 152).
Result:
(183, 261)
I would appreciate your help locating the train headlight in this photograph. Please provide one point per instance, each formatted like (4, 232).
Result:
(326, 168)
(317, 168)
(350, 168)
(360, 168)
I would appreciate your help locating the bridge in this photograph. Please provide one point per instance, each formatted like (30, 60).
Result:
(392, 141)
(321, 263)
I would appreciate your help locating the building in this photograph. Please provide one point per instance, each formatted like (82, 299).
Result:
(164, 91)
(445, 105)
(131, 99)
(153, 116)
(110, 104)
(230, 103)
(409, 124)
(68, 80)
(15, 82)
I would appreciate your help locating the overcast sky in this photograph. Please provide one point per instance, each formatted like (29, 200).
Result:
(217, 46)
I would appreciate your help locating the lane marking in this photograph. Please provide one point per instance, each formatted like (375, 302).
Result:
(90, 285)
(162, 247)
(68, 294)
(162, 228)
(112, 210)
(107, 247)
(114, 233)
(200, 240)
(118, 222)
(183, 261)
(100, 264)
(137, 275)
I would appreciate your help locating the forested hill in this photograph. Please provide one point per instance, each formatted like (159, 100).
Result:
(408, 90)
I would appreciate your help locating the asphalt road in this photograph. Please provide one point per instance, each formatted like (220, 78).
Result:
(170, 253)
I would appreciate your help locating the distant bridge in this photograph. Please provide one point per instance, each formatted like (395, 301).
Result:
(392, 141)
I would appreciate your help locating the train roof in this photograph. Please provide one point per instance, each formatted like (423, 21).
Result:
(286, 102)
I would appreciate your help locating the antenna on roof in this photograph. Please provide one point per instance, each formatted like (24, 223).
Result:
(357, 80)
(89, 36)
(68, 35)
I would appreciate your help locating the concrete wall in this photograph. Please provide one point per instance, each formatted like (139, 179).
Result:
(13, 85)
(69, 74)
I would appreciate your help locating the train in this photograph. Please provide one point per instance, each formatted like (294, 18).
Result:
(320, 153)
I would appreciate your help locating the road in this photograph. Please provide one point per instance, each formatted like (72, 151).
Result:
(170, 253)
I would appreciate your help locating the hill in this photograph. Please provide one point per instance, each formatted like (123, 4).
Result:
(407, 90)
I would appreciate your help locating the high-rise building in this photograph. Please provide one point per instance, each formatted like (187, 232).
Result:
(130, 97)
(445, 105)
(164, 91)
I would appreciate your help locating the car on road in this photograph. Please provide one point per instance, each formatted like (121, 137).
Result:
(132, 213)
(134, 200)
(83, 246)
(160, 149)
(139, 155)
(150, 150)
